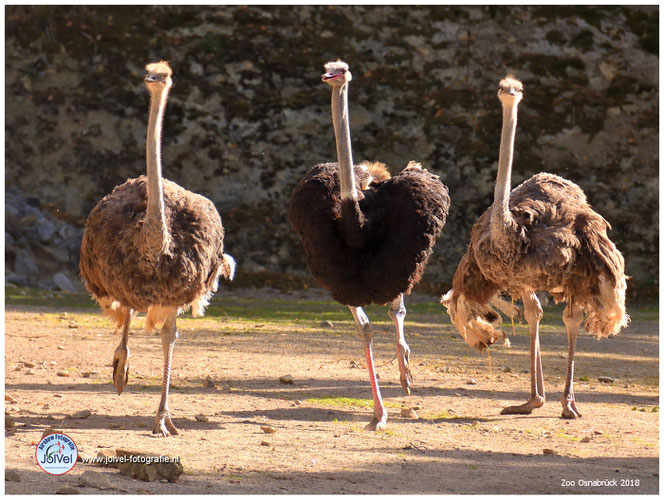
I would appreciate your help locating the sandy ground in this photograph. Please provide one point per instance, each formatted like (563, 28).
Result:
(458, 444)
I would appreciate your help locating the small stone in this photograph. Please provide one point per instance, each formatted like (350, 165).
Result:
(476, 423)
(549, 451)
(56, 395)
(606, 379)
(9, 422)
(472, 381)
(585, 439)
(96, 480)
(30, 372)
(61, 348)
(10, 399)
(286, 379)
(202, 418)
(326, 324)
(170, 470)
(599, 433)
(27, 364)
(408, 413)
(507, 369)
(62, 374)
(50, 430)
(208, 382)
(67, 490)
(12, 475)
(265, 443)
(268, 430)
(297, 402)
(108, 457)
(79, 415)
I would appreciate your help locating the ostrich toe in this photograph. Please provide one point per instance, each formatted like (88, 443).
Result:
(120, 368)
(164, 426)
(524, 409)
(569, 410)
(377, 424)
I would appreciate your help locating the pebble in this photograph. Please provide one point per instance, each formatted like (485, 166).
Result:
(268, 429)
(408, 413)
(472, 381)
(50, 430)
(202, 418)
(67, 490)
(208, 382)
(585, 439)
(286, 379)
(326, 324)
(599, 433)
(12, 475)
(62, 374)
(154, 471)
(10, 399)
(9, 422)
(27, 364)
(507, 369)
(606, 379)
(265, 443)
(79, 415)
(549, 451)
(58, 395)
(96, 480)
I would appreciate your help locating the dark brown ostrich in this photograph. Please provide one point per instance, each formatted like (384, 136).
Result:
(542, 236)
(152, 246)
(367, 235)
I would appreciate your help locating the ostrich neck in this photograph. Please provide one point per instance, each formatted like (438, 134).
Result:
(352, 220)
(156, 238)
(342, 134)
(502, 221)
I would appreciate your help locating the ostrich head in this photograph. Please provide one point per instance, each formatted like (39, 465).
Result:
(510, 90)
(159, 75)
(337, 74)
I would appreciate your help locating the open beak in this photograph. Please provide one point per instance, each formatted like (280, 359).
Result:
(331, 76)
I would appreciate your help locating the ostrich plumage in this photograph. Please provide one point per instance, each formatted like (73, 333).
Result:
(367, 235)
(152, 246)
(543, 235)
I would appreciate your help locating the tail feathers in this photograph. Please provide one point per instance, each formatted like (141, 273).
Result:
(229, 267)
(113, 310)
(606, 311)
(477, 323)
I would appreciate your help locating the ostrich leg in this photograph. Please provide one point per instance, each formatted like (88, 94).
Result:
(366, 335)
(169, 334)
(398, 313)
(120, 365)
(533, 314)
(572, 317)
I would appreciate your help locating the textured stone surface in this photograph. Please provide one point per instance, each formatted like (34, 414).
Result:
(248, 115)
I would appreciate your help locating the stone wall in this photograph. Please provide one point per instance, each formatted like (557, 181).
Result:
(248, 114)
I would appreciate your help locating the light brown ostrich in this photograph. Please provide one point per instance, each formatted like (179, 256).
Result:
(367, 235)
(152, 246)
(542, 236)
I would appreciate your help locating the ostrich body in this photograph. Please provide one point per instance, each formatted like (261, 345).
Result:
(152, 246)
(367, 235)
(542, 236)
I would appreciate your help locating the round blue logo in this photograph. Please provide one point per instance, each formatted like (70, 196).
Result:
(56, 454)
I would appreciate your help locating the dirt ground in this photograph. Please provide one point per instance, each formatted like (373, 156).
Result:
(458, 444)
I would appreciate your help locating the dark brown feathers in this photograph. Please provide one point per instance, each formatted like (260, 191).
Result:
(402, 217)
(111, 261)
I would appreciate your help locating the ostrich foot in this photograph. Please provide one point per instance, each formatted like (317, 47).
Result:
(120, 368)
(376, 424)
(569, 410)
(403, 356)
(524, 409)
(164, 426)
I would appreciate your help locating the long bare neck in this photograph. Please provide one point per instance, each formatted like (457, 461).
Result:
(502, 220)
(342, 134)
(156, 237)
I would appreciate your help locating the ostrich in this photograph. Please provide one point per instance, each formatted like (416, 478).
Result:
(542, 236)
(152, 246)
(367, 235)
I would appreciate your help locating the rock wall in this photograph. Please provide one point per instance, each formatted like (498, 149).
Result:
(248, 114)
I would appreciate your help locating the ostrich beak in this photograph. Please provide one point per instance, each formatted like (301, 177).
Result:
(331, 76)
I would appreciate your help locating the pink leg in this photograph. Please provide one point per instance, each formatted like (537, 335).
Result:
(533, 313)
(572, 317)
(366, 335)
(398, 313)
(169, 334)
